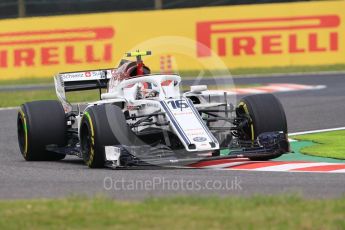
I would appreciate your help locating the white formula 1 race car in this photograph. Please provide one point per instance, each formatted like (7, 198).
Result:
(144, 119)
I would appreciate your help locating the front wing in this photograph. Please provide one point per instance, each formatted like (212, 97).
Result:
(268, 145)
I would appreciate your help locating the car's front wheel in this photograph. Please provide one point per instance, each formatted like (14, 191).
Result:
(265, 114)
(102, 125)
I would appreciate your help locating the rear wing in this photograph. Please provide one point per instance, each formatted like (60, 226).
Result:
(82, 80)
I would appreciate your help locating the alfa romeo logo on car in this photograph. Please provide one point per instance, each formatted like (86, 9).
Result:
(199, 139)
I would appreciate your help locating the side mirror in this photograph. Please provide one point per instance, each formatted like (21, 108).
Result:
(105, 96)
(198, 88)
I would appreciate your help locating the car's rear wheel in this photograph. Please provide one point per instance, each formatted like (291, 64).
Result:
(265, 114)
(102, 125)
(41, 124)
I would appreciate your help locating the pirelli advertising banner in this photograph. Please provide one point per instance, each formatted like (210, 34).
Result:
(310, 33)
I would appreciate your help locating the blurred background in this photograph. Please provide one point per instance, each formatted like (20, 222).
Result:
(29, 8)
(221, 38)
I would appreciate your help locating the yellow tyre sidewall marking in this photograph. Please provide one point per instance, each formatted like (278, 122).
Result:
(244, 106)
(25, 131)
(92, 149)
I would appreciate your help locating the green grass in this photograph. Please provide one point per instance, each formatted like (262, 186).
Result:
(289, 69)
(260, 212)
(194, 73)
(16, 98)
(271, 70)
(327, 144)
(28, 81)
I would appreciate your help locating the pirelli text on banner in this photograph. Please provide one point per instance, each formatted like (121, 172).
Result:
(235, 37)
(246, 36)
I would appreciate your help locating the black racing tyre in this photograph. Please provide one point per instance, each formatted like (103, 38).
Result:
(103, 125)
(41, 123)
(266, 114)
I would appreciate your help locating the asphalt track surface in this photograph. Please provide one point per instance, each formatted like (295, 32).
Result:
(306, 110)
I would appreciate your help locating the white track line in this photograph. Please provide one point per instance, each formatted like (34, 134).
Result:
(224, 165)
(8, 108)
(339, 171)
(316, 131)
(290, 166)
